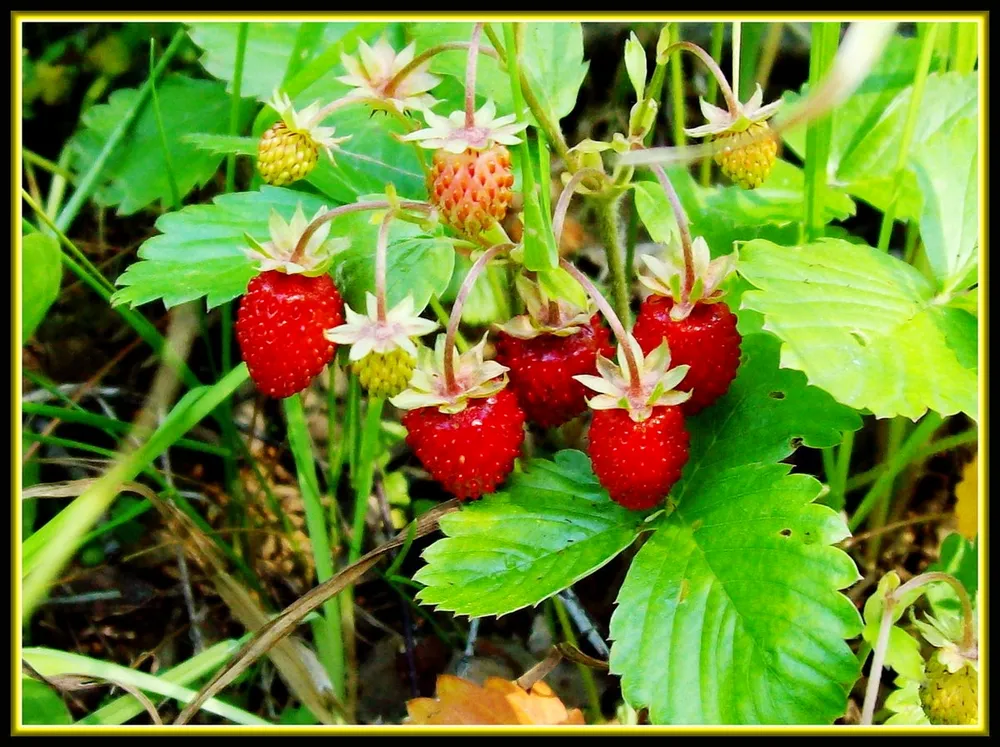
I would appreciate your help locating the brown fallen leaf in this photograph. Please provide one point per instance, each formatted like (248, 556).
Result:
(967, 504)
(498, 701)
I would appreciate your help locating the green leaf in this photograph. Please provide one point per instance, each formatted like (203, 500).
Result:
(865, 327)
(960, 558)
(200, 250)
(416, 264)
(730, 613)
(766, 414)
(551, 527)
(41, 273)
(867, 128)
(136, 173)
(655, 213)
(268, 51)
(903, 653)
(551, 60)
(41, 705)
(30, 475)
(223, 144)
(947, 170)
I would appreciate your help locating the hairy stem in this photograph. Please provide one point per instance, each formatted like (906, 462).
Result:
(609, 314)
(470, 75)
(562, 204)
(354, 207)
(713, 67)
(608, 219)
(390, 87)
(737, 48)
(456, 312)
(684, 226)
(381, 249)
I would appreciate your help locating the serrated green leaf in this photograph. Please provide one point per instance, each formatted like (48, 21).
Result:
(865, 327)
(136, 174)
(416, 264)
(731, 614)
(867, 128)
(947, 170)
(41, 705)
(551, 60)
(41, 274)
(766, 414)
(553, 525)
(201, 249)
(268, 51)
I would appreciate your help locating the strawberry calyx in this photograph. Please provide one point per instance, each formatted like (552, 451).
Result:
(280, 252)
(388, 80)
(474, 378)
(617, 388)
(667, 277)
(725, 121)
(306, 122)
(454, 135)
(545, 315)
(368, 333)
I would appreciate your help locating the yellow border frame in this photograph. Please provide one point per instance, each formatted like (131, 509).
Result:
(18, 18)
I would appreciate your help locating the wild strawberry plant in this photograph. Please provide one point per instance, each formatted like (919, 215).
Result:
(388, 163)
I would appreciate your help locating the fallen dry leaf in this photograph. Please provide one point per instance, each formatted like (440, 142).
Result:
(460, 702)
(967, 504)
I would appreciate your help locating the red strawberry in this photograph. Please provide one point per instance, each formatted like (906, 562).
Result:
(542, 370)
(706, 340)
(472, 451)
(280, 326)
(473, 188)
(638, 462)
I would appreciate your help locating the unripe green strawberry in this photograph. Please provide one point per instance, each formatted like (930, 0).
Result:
(472, 189)
(285, 156)
(750, 147)
(950, 698)
(747, 160)
(384, 374)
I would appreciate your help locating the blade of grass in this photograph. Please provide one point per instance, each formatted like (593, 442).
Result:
(327, 629)
(123, 709)
(61, 536)
(52, 663)
(585, 674)
(364, 477)
(909, 127)
(88, 181)
(677, 89)
(718, 36)
(234, 110)
(825, 40)
(175, 192)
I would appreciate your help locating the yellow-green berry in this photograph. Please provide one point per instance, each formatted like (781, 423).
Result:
(746, 160)
(385, 374)
(285, 156)
(950, 698)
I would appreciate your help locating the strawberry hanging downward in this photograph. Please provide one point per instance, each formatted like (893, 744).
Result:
(545, 348)
(706, 340)
(280, 328)
(470, 452)
(700, 330)
(287, 309)
(638, 463)
(638, 444)
(469, 436)
(471, 181)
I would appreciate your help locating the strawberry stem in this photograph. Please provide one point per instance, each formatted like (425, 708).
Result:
(470, 76)
(562, 204)
(332, 107)
(390, 87)
(381, 249)
(683, 226)
(727, 92)
(635, 380)
(354, 207)
(456, 313)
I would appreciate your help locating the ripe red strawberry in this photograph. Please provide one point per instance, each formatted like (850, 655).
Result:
(542, 370)
(472, 451)
(472, 189)
(280, 326)
(638, 462)
(706, 340)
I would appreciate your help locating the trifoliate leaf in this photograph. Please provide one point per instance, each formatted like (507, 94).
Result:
(864, 326)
